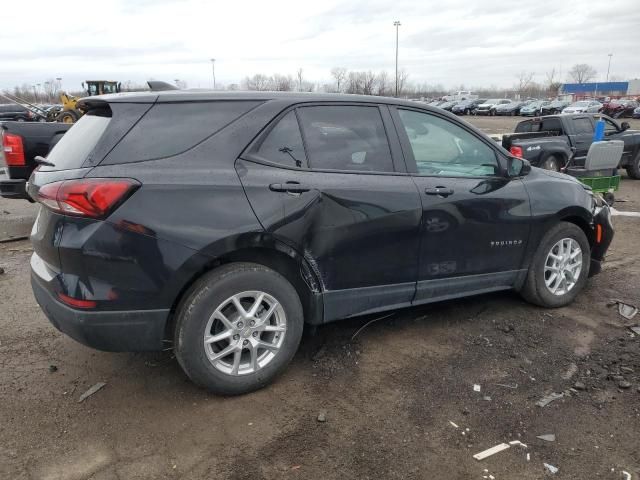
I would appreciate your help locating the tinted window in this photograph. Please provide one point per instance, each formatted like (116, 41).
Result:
(582, 125)
(76, 145)
(283, 144)
(346, 138)
(168, 129)
(443, 148)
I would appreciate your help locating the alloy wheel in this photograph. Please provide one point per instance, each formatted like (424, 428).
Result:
(563, 266)
(245, 333)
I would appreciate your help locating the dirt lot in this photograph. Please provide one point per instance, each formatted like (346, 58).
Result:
(390, 394)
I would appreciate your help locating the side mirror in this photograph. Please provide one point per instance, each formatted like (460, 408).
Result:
(518, 167)
(625, 126)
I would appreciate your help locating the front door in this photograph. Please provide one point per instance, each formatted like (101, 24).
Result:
(475, 222)
(342, 203)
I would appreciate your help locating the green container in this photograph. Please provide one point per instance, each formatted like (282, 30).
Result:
(602, 184)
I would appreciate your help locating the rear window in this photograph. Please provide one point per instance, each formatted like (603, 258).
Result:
(582, 125)
(169, 129)
(76, 145)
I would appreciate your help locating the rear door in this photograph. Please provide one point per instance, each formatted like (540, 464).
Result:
(328, 181)
(475, 222)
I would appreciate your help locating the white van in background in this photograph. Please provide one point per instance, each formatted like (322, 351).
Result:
(461, 95)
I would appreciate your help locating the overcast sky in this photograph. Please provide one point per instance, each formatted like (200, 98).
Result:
(450, 42)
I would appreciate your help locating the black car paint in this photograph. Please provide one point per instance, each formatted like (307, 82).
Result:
(352, 243)
(37, 139)
(14, 112)
(570, 144)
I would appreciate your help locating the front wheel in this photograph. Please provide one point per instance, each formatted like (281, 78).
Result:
(238, 328)
(560, 267)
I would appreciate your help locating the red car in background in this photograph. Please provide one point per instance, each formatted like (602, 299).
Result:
(620, 108)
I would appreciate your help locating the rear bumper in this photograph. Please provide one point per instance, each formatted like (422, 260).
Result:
(14, 189)
(112, 331)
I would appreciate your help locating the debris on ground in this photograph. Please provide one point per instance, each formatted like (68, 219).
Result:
(635, 329)
(508, 385)
(544, 401)
(624, 384)
(53, 368)
(627, 475)
(1, 271)
(491, 451)
(579, 386)
(571, 371)
(551, 468)
(628, 311)
(322, 416)
(91, 391)
(518, 442)
(369, 323)
(453, 424)
(476, 387)
(486, 398)
(548, 437)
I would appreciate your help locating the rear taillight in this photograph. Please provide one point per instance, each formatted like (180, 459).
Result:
(13, 150)
(86, 197)
(76, 302)
(516, 151)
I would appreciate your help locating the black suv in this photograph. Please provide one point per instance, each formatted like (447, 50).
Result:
(218, 224)
(15, 112)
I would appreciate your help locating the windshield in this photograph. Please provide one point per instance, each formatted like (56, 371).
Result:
(581, 104)
(492, 100)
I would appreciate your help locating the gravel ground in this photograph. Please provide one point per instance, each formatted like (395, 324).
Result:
(388, 395)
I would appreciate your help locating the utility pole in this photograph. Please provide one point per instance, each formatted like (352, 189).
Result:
(609, 66)
(213, 69)
(397, 25)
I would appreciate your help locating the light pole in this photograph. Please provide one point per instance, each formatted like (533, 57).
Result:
(396, 24)
(35, 94)
(609, 66)
(213, 70)
(59, 83)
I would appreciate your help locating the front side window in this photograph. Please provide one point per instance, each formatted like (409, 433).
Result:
(350, 138)
(283, 144)
(443, 148)
(582, 125)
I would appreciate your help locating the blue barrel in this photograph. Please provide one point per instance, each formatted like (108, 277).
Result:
(598, 134)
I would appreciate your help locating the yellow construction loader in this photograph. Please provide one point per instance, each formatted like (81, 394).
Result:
(70, 111)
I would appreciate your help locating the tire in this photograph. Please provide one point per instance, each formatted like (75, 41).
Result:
(213, 293)
(535, 289)
(609, 198)
(633, 168)
(68, 116)
(551, 163)
(466, 112)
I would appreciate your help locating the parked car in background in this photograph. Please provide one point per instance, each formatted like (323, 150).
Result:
(620, 108)
(512, 108)
(467, 107)
(583, 106)
(556, 106)
(461, 95)
(636, 113)
(533, 109)
(15, 112)
(448, 105)
(489, 106)
(201, 221)
(436, 103)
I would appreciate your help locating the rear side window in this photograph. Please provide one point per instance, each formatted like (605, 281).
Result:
(76, 145)
(582, 125)
(283, 144)
(168, 129)
(346, 138)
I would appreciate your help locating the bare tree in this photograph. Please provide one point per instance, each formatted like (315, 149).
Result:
(582, 73)
(403, 78)
(525, 79)
(258, 82)
(339, 74)
(383, 85)
(368, 82)
(300, 79)
(354, 82)
(281, 83)
(553, 84)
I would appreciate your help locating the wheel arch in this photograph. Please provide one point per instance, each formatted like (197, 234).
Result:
(272, 254)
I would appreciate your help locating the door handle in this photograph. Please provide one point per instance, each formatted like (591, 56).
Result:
(441, 191)
(289, 187)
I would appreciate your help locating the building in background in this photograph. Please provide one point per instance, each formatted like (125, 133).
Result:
(580, 91)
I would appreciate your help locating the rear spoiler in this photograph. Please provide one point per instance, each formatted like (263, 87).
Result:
(158, 86)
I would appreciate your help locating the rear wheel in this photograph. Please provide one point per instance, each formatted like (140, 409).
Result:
(238, 328)
(633, 168)
(551, 163)
(609, 198)
(560, 267)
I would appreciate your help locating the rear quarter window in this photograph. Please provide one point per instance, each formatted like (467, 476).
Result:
(169, 129)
